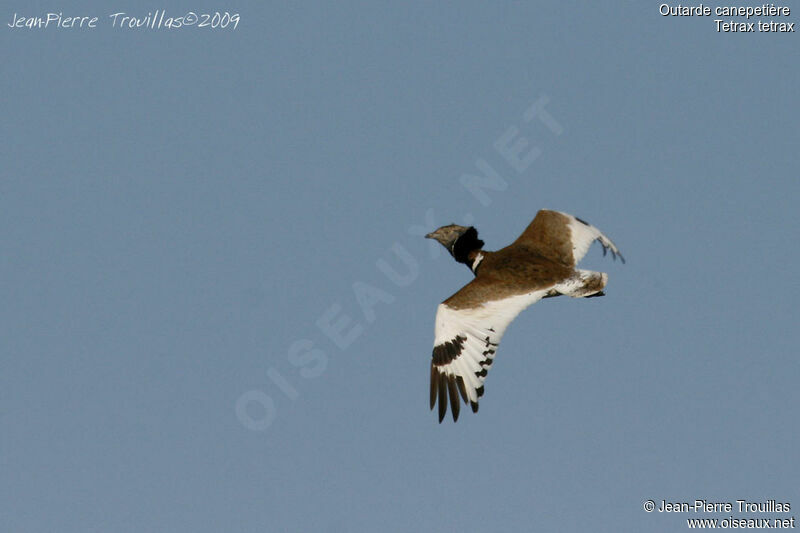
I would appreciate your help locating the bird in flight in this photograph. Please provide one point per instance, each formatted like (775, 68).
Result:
(469, 325)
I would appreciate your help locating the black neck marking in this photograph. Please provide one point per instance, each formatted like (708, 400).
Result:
(468, 242)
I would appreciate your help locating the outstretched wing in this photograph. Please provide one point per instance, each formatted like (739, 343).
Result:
(466, 344)
(563, 237)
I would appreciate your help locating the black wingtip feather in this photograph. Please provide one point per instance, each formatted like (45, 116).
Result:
(462, 389)
(434, 384)
(455, 404)
(442, 396)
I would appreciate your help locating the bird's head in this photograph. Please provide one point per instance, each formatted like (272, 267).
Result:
(447, 235)
(458, 240)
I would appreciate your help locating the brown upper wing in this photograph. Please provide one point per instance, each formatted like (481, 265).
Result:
(549, 236)
(563, 238)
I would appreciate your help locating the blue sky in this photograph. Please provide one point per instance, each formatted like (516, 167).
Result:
(181, 210)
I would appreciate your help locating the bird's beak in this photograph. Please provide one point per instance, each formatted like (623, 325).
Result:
(429, 235)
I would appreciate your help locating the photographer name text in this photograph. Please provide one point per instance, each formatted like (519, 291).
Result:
(706, 506)
(153, 20)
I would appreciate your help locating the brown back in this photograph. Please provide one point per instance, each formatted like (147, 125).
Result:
(508, 272)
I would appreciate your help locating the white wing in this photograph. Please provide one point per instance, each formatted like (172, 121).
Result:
(465, 347)
(583, 234)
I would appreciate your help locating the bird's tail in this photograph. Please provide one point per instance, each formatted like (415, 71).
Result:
(584, 284)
